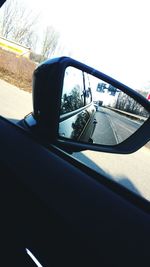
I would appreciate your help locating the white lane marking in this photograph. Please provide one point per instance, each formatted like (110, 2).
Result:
(113, 129)
(33, 258)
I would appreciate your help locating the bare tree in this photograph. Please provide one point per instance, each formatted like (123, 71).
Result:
(18, 23)
(50, 42)
(7, 17)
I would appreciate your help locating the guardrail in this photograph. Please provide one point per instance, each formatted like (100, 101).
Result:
(14, 47)
(132, 116)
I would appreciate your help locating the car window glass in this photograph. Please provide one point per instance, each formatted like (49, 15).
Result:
(73, 91)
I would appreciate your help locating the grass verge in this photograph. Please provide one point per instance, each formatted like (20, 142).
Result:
(16, 70)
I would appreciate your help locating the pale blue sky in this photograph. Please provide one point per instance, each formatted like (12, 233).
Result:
(111, 35)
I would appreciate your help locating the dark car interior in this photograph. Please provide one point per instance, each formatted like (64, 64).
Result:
(65, 215)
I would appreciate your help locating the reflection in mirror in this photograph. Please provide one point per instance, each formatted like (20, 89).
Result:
(72, 96)
(97, 112)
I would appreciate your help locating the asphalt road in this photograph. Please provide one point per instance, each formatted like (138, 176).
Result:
(132, 171)
(112, 128)
(14, 103)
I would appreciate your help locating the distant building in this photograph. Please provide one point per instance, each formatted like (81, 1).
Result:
(14, 47)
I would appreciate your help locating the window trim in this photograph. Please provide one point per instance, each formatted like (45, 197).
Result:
(73, 113)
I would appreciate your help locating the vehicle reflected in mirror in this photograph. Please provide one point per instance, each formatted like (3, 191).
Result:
(94, 111)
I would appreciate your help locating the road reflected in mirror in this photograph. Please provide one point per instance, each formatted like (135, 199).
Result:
(96, 112)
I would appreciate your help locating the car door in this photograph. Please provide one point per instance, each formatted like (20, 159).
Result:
(63, 212)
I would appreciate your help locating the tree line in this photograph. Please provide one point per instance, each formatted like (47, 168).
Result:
(19, 24)
(128, 104)
(123, 101)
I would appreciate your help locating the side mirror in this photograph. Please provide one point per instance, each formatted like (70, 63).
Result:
(77, 107)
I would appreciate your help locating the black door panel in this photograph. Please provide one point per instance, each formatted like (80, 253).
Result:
(71, 218)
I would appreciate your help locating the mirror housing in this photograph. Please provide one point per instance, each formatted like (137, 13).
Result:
(48, 81)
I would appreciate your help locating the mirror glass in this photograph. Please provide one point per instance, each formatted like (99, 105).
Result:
(95, 111)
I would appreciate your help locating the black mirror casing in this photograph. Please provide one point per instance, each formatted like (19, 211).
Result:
(47, 90)
(47, 79)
